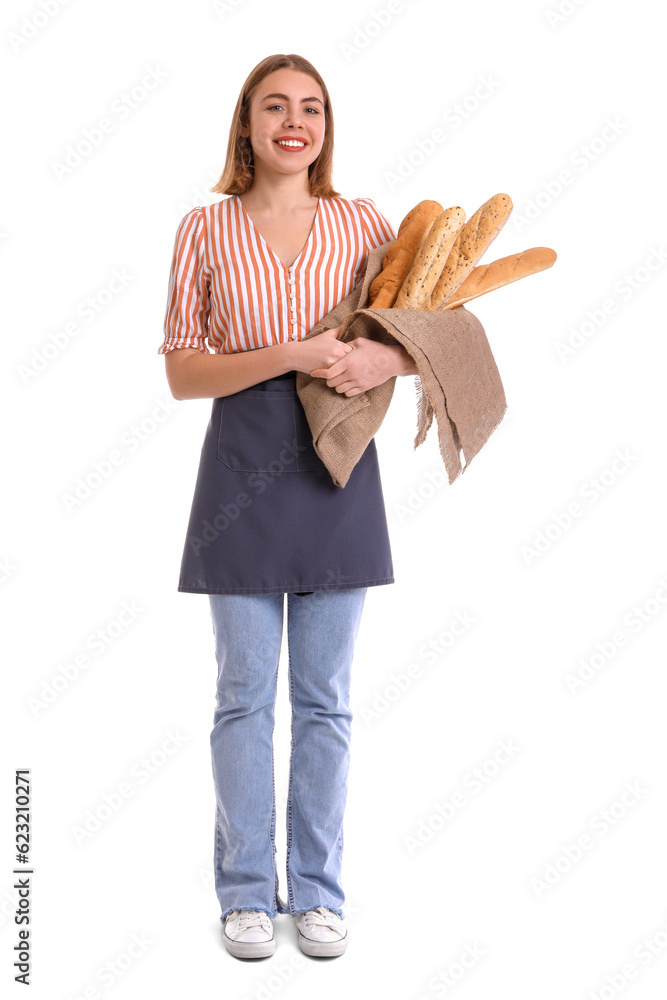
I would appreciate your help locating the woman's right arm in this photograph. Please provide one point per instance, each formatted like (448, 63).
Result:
(193, 374)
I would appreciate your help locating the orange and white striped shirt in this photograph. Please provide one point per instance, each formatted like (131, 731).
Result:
(229, 292)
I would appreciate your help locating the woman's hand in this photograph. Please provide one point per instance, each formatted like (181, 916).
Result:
(369, 364)
(321, 351)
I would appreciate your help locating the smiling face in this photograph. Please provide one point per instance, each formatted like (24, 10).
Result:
(286, 122)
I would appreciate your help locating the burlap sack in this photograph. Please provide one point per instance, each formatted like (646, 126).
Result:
(458, 381)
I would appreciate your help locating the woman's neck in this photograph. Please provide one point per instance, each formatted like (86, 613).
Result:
(279, 193)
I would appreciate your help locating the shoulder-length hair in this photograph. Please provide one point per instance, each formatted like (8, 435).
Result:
(239, 170)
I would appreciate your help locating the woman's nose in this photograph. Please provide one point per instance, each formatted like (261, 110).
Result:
(293, 118)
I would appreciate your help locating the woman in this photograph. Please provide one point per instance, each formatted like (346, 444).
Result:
(250, 276)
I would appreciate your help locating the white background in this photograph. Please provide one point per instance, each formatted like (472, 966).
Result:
(473, 883)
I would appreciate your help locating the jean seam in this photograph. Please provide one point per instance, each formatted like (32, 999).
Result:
(272, 830)
(290, 887)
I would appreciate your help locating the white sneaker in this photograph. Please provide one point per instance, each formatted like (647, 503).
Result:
(249, 934)
(321, 932)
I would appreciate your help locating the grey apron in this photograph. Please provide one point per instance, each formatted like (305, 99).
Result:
(266, 516)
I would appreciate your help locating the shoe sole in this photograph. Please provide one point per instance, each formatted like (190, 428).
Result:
(322, 949)
(250, 949)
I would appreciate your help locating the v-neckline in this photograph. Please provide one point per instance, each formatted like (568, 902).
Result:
(303, 248)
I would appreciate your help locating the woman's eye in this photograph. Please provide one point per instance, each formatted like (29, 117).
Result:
(272, 106)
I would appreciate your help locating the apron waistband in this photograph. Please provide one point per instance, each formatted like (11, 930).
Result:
(269, 383)
(282, 383)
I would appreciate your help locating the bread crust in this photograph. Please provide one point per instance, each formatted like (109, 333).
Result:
(503, 271)
(430, 258)
(399, 256)
(471, 243)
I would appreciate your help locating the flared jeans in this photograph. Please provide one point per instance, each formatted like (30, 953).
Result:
(321, 633)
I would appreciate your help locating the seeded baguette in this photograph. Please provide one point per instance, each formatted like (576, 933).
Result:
(473, 240)
(429, 260)
(501, 272)
(399, 256)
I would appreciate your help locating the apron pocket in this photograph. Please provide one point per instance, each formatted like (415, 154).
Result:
(257, 432)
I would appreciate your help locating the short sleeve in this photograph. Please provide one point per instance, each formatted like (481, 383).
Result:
(186, 320)
(376, 227)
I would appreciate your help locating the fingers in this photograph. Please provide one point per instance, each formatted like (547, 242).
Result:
(334, 331)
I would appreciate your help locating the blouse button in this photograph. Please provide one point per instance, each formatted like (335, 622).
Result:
(294, 336)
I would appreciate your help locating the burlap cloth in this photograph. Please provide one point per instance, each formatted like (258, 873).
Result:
(458, 380)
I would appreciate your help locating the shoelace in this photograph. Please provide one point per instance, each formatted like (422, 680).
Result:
(254, 918)
(324, 917)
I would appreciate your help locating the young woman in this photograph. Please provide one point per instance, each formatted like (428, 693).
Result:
(250, 276)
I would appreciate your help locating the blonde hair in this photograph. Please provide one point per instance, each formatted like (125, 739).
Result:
(239, 170)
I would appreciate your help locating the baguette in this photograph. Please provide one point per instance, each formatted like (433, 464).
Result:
(473, 240)
(429, 260)
(399, 256)
(501, 272)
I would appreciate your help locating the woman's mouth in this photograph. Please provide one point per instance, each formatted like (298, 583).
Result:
(291, 145)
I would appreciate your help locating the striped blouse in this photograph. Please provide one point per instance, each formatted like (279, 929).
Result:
(228, 291)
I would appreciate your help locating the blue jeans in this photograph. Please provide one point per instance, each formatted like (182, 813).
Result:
(321, 632)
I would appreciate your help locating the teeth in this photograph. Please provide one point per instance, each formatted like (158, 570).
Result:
(290, 142)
